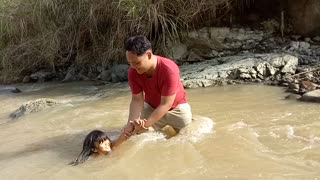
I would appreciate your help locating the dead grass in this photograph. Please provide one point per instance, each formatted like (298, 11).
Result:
(45, 34)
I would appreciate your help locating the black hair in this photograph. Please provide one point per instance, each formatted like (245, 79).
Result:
(88, 148)
(137, 44)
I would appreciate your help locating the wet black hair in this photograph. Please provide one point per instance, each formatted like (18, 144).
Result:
(137, 44)
(88, 148)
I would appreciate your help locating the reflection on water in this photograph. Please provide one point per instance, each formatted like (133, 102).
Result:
(255, 133)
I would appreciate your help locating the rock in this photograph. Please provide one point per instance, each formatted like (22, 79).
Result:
(202, 43)
(219, 33)
(5, 90)
(316, 39)
(244, 67)
(119, 73)
(71, 75)
(16, 90)
(293, 86)
(271, 25)
(92, 75)
(105, 76)
(307, 85)
(193, 57)
(295, 37)
(293, 96)
(26, 79)
(307, 39)
(299, 45)
(312, 96)
(33, 106)
(42, 76)
(195, 83)
(290, 64)
(178, 51)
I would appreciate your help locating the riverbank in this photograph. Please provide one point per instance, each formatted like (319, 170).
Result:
(222, 56)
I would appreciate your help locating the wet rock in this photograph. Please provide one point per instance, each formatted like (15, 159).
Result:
(16, 90)
(312, 96)
(9, 89)
(33, 106)
(293, 96)
(195, 83)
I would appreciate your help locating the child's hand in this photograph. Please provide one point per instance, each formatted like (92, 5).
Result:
(128, 129)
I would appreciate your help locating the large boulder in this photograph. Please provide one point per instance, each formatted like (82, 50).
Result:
(248, 67)
(312, 96)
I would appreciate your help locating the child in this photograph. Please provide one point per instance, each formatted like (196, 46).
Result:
(98, 143)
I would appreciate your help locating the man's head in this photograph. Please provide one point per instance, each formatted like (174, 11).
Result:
(139, 53)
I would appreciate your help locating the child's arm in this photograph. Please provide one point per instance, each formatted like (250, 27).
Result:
(125, 134)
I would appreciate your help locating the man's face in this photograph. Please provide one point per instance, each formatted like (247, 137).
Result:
(140, 63)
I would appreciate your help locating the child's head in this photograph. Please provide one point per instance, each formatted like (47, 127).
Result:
(95, 142)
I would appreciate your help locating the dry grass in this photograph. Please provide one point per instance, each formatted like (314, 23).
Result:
(46, 34)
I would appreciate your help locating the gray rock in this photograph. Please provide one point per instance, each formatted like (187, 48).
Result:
(105, 75)
(293, 86)
(312, 96)
(26, 79)
(5, 90)
(195, 83)
(42, 76)
(178, 51)
(293, 96)
(237, 67)
(33, 106)
(317, 39)
(119, 73)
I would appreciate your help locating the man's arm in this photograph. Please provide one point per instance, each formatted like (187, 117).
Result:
(160, 111)
(136, 106)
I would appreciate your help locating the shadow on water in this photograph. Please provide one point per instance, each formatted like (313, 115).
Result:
(66, 146)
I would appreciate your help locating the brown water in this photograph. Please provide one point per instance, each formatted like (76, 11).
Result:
(255, 134)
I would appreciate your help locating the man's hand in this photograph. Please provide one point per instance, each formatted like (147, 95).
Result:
(139, 125)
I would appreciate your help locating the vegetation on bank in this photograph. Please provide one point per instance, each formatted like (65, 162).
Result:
(53, 34)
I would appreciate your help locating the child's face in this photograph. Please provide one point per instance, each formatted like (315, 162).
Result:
(104, 147)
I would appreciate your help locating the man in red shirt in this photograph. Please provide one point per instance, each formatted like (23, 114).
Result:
(158, 97)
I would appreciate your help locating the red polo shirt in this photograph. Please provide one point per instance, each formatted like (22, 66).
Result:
(164, 82)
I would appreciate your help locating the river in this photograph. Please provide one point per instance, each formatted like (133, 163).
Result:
(250, 132)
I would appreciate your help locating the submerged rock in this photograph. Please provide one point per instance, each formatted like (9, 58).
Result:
(33, 106)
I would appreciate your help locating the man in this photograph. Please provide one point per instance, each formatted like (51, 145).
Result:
(158, 97)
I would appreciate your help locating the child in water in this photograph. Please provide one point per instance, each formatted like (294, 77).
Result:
(98, 143)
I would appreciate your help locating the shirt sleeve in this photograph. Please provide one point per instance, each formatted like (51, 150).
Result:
(169, 81)
(134, 85)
